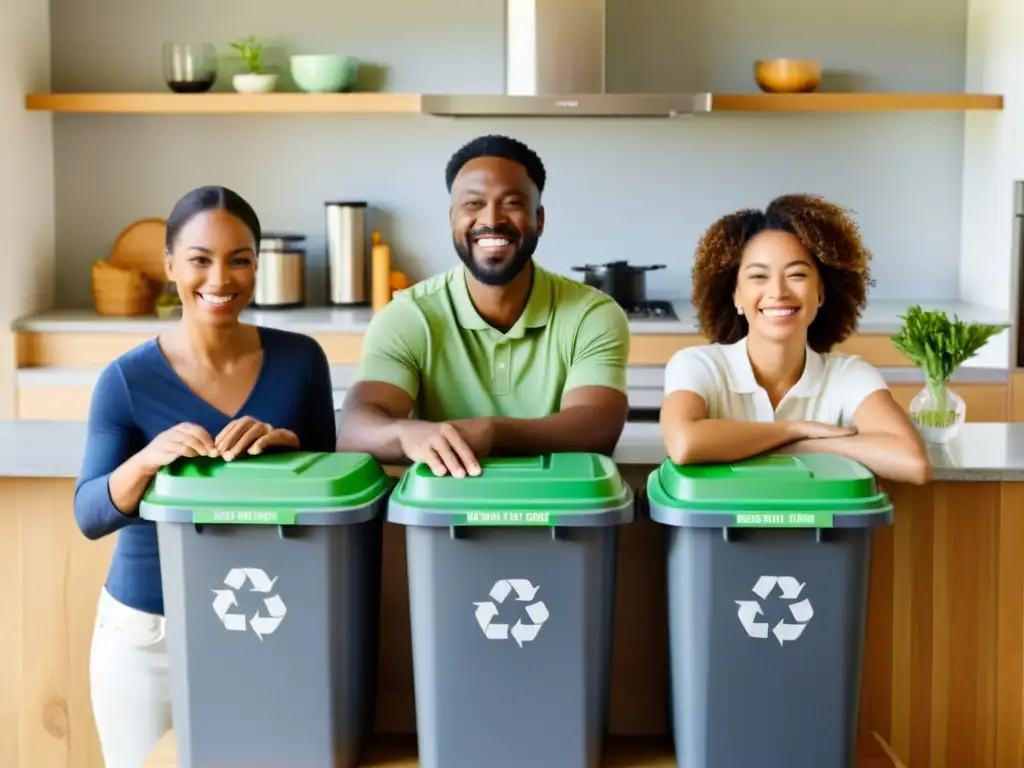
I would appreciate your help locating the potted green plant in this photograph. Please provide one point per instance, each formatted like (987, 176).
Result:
(939, 346)
(256, 79)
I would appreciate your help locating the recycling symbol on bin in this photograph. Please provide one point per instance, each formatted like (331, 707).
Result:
(785, 631)
(487, 612)
(225, 600)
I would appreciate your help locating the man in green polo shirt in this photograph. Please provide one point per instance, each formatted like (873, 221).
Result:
(496, 355)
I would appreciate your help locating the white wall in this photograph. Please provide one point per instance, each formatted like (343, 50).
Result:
(642, 190)
(993, 160)
(26, 176)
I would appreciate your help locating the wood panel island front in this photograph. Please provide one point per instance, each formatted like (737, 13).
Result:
(943, 677)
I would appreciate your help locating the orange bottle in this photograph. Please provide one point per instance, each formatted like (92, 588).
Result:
(380, 273)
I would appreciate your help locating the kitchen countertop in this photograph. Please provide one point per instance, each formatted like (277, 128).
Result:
(980, 453)
(645, 377)
(880, 317)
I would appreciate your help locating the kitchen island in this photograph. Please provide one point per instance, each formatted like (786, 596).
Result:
(943, 680)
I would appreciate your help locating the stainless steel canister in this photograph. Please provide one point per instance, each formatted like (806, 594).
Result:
(280, 271)
(347, 270)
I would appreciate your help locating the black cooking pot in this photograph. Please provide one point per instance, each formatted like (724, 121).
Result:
(620, 280)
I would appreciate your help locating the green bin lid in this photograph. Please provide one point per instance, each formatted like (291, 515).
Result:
(769, 491)
(559, 489)
(296, 487)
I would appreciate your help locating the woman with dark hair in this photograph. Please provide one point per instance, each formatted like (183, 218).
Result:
(774, 291)
(207, 386)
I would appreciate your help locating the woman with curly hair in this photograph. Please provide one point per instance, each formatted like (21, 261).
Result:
(775, 290)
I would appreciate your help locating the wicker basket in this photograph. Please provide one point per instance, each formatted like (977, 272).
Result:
(121, 292)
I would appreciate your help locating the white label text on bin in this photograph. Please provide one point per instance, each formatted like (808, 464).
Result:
(508, 518)
(244, 516)
(784, 519)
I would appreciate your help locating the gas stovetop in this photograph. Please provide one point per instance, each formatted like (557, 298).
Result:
(652, 310)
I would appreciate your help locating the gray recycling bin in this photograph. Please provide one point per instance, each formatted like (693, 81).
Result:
(511, 595)
(768, 565)
(271, 576)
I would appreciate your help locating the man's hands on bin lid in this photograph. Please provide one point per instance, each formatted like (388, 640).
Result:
(448, 447)
(251, 435)
(182, 440)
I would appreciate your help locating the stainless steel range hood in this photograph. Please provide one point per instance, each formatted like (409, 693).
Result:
(555, 67)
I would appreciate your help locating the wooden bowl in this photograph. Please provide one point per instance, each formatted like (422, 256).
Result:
(787, 75)
(119, 292)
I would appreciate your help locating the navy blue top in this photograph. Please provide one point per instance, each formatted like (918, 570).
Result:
(139, 395)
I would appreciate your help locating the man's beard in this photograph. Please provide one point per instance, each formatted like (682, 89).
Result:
(507, 272)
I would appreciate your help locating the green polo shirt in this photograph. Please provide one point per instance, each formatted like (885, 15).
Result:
(431, 342)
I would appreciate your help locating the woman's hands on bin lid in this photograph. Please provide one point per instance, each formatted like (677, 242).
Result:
(252, 435)
(449, 447)
(182, 440)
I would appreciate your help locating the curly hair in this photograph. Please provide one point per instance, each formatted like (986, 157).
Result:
(495, 145)
(828, 234)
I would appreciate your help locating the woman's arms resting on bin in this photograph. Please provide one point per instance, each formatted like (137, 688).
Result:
(885, 441)
(693, 438)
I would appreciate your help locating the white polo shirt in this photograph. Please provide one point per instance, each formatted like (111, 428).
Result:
(829, 391)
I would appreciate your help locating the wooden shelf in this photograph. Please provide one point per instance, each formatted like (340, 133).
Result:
(411, 103)
(853, 102)
(226, 103)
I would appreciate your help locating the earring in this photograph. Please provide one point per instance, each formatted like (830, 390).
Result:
(739, 310)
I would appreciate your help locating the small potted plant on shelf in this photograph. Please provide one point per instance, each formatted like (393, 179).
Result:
(939, 346)
(256, 79)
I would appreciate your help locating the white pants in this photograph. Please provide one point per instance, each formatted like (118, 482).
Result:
(131, 689)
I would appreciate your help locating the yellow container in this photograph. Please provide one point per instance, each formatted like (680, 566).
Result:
(380, 274)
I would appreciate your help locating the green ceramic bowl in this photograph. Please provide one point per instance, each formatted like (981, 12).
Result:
(324, 73)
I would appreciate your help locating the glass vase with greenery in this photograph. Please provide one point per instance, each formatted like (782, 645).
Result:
(939, 346)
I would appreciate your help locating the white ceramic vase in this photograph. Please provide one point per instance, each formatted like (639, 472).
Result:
(938, 413)
(251, 83)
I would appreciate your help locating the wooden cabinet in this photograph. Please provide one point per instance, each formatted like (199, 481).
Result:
(1016, 397)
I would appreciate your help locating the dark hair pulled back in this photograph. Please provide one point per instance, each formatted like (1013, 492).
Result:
(210, 198)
